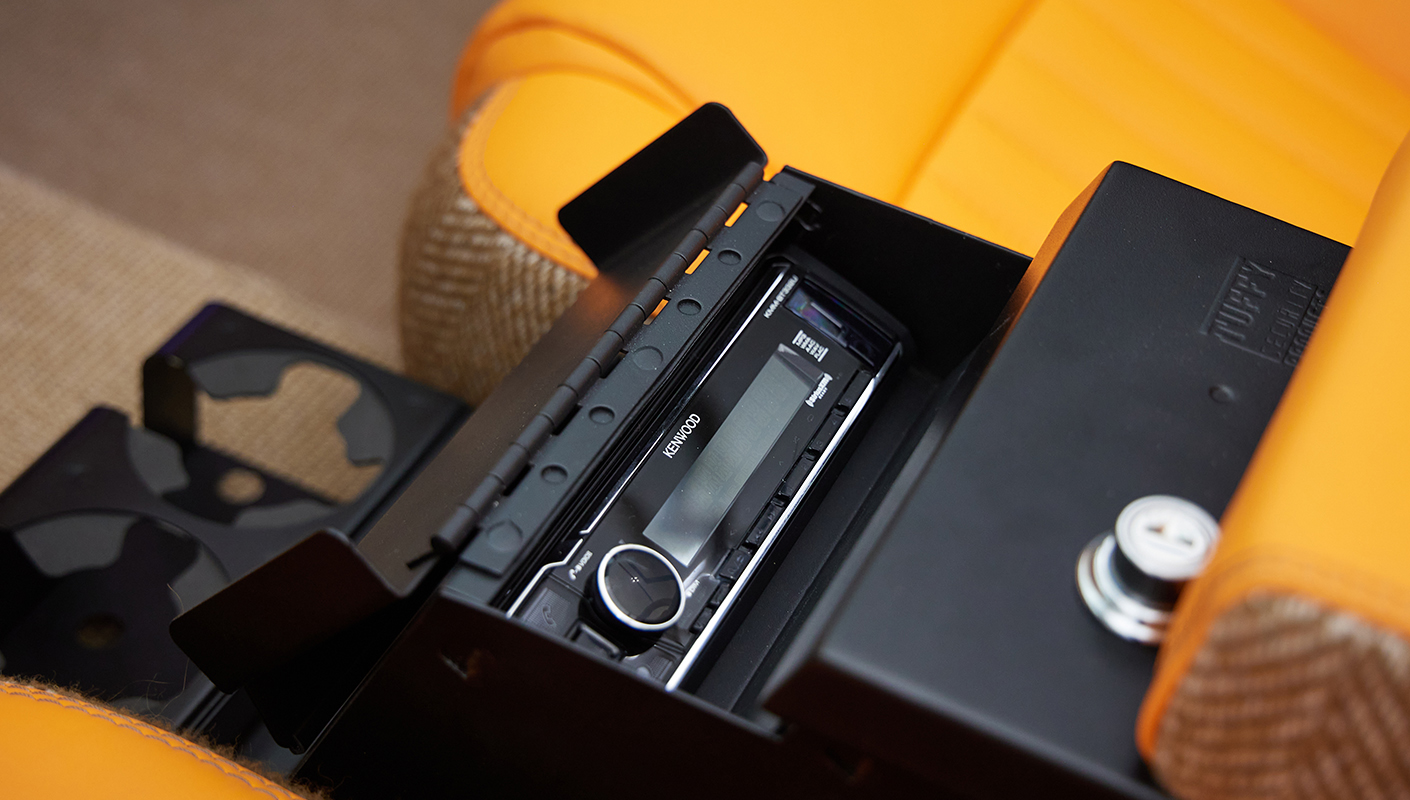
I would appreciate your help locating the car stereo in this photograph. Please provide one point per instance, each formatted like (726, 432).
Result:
(650, 574)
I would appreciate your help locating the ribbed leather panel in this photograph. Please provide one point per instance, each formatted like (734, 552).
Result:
(851, 92)
(1242, 98)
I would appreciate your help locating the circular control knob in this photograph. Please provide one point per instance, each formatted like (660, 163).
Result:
(639, 588)
(1130, 577)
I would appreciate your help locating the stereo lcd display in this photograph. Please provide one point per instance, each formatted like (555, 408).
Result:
(712, 483)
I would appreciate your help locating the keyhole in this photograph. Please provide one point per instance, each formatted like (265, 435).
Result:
(1178, 536)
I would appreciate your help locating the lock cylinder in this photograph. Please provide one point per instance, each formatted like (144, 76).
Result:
(1131, 576)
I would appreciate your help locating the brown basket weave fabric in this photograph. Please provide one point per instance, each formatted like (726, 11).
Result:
(474, 298)
(1290, 699)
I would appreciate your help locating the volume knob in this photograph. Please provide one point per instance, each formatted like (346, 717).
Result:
(639, 588)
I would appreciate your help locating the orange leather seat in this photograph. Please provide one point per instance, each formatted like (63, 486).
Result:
(984, 114)
(987, 115)
(55, 746)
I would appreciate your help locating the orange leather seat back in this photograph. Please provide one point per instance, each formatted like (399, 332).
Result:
(988, 115)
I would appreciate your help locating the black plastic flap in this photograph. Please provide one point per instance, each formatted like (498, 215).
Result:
(946, 286)
(313, 590)
(663, 189)
(962, 649)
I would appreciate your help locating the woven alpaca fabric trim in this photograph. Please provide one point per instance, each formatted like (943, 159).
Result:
(474, 299)
(1290, 699)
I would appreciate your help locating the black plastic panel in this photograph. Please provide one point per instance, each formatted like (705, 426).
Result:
(117, 529)
(963, 650)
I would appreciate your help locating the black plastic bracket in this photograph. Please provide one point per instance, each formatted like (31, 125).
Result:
(150, 493)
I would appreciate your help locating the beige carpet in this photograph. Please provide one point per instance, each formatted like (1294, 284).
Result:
(287, 137)
(85, 297)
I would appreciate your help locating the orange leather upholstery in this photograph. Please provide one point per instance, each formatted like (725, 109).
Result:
(988, 115)
(55, 746)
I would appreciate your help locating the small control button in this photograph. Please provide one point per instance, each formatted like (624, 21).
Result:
(594, 642)
(551, 610)
(701, 621)
(701, 589)
(495, 548)
(795, 479)
(718, 597)
(763, 524)
(827, 432)
(854, 390)
(639, 588)
(653, 664)
(734, 565)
